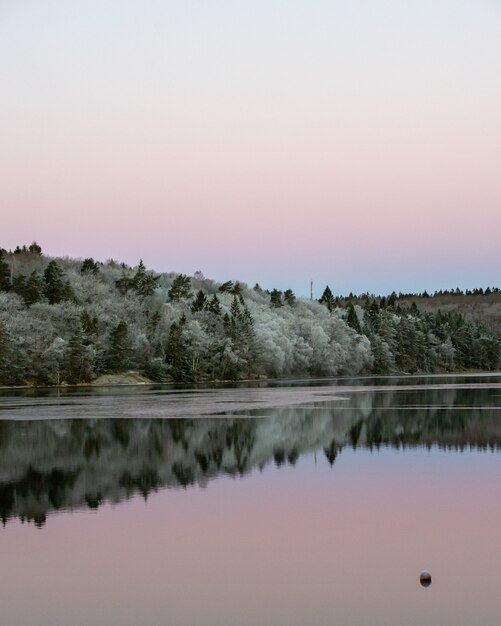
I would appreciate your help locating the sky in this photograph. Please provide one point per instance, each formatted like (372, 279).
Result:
(355, 144)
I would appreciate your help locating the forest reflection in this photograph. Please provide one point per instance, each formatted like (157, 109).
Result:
(52, 465)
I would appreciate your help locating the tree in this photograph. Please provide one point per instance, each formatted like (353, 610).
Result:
(34, 248)
(327, 298)
(144, 282)
(199, 303)
(119, 354)
(90, 325)
(214, 305)
(5, 365)
(34, 288)
(289, 297)
(227, 287)
(54, 285)
(276, 298)
(176, 352)
(124, 283)
(181, 288)
(80, 358)
(4, 273)
(352, 319)
(89, 266)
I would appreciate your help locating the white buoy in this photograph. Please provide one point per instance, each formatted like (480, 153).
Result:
(425, 578)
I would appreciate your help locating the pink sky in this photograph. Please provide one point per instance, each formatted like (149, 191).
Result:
(273, 142)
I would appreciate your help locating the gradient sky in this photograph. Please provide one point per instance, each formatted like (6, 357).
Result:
(353, 143)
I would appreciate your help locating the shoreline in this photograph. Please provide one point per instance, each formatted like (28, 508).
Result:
(111, 380)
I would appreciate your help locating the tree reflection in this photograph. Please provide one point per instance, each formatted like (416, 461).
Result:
(52, 465)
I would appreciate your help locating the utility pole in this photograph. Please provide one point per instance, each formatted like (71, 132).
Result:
(311, 290)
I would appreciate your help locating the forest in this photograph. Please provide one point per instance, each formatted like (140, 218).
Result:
(69, 321)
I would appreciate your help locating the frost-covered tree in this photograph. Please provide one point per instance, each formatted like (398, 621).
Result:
(60, 324)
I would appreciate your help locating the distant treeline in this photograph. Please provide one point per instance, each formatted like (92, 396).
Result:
(69, 321)
(488, 291)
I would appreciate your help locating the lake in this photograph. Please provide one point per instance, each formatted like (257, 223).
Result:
(286, 503)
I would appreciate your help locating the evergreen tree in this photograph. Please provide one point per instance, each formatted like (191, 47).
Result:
(125, 283)
(80, 364)
(4, 273)
(227, 287)
(19, 285)
(327, 298)
(176, 352)
(392, 299)
(181, 288)
(214, 305)
(34, 288)
(89, 266)
(119, 354)
(352, 319)
(144, 282)
(55, 289)
(276, 298)
(34, 248)
(5, 361)
(289, 297)
(89, 324)
(199, 303)
(68, 293)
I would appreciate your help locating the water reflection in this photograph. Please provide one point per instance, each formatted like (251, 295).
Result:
(51, 465)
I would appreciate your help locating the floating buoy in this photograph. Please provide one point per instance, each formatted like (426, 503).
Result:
(425, 578)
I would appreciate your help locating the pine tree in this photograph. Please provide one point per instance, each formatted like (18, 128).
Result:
(89, 266)
(33, 291)
(176, 352)
(34, 248)
(89, 324)
(181, 288)
(77, 363)
(327, 298)
(119, 354)
(5, 364)
(54, 285)
(4, 273)
(214, 305)
(227, 287)
(199, 303)
(276, 298)
(125, 283)
(289, 297)
(144, 282)
(352, 319)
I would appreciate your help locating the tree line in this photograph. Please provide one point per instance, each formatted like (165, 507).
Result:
(70, 321)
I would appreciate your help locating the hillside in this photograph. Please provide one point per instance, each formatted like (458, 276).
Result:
(480, 308)
(72, 320)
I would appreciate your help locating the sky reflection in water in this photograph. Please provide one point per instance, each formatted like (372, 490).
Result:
(315, 514)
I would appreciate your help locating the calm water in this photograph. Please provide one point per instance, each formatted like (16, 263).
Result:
(280, 504)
